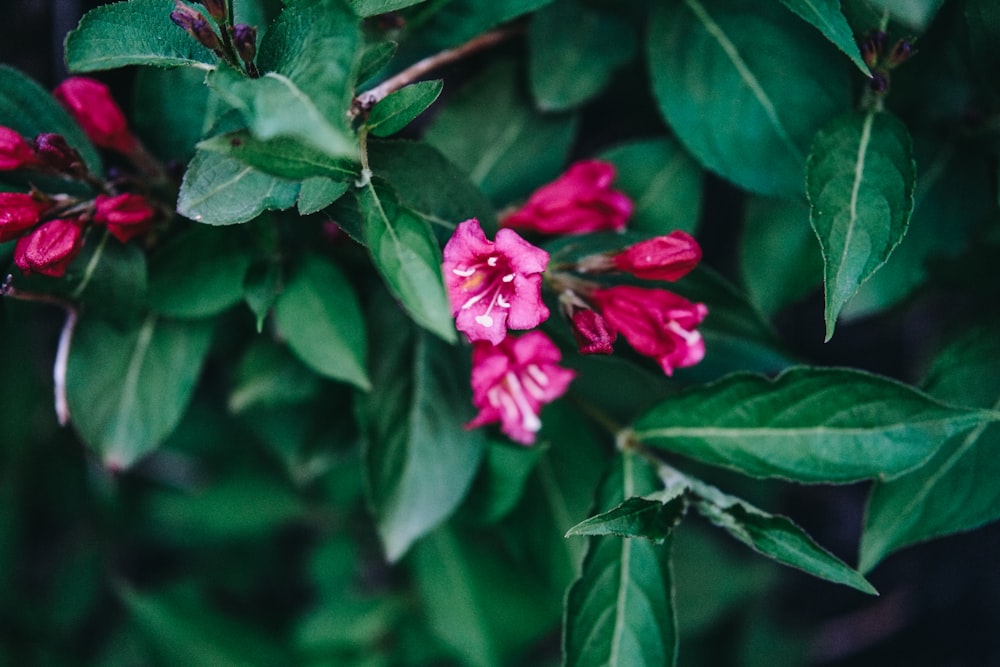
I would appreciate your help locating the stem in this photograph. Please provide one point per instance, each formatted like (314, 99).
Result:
(373, 96)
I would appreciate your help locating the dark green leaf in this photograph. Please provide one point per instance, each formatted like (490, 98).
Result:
(113, 283)
(419, 460)
(808, 424)
(916, 14)
(650, 517)
(775, 537)
(826, 16)
(282, 157)
(199, 273)
(400, 108)
(620, 612)
(781, 262)
(408, 258)
(983, 19)
(456, 21)
(489, 130)
(574, 51)
(261, 287)
(663, 182)
(375, 7)
(220, 190)
(320, 317)
(956, 490)
(501, 481)
(268, 374)
(860, 181)
(744, 111)
(127, 391)
(374, 58)
(173, 109)
(319, 192)
(29, 109)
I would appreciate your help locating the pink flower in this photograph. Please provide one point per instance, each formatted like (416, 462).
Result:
(493, 286)
(90, 103)
(14, 150)
(19, 212)
(657, 323)
(50, 248)
(578, 202)
(511, 381)
(668, 257)
(591, 332)
(126, 215)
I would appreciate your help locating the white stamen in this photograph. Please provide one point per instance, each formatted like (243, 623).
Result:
(492, 261)
(538, 375)
(484, 320)
(690, 337)
(464, 273)
(529, 420)
(509, 278)
(502, 302)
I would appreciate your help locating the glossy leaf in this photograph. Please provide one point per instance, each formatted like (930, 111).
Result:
(650, 517)
(400, 108)
(956, 490)
(811, 425)
(282, 157)
(775, 537)
(199, 273)
(173, 109)
(128, 390)
(419, 460)
(137, 32)
(573, 52)
(489, 130)
(374, 58)
(825, 16)
(620, 610)
(745, 112)
(409, 260)
(860, 183)
(220, 190)
(320, 317)
(319, 192)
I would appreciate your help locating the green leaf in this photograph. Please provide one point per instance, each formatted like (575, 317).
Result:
(489, 130)
(173, 110)
(650, 517)
(746, 112)
(813, 425)
(501, 480)
(825, 16)
(407, 257)
(366, 8)
(128, 390)
(199, 273)
(30, 110)
(261, 287)
(860, 182)
(282, 157)
(780, 260)
(620, 610)
(267, 375)
(137, 32)
(113, 284)
(220, 190)
(457, 21)
(418, 459)
(320, 317)
(915, 14)
(429, 184)
(662, 180)
(775, 537)
(319, 192)
(573, 52)
(956, 490)
(373, 59)
(400, 108)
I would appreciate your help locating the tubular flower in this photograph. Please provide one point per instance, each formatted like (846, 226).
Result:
(14, 150)
(89, 101)
(578, 202)
(50, 248)
(657, 323)
(668, 257)
(511, 381)
(19, 212)
(126, 215)
(493, 286)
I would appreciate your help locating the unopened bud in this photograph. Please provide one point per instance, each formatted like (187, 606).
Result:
(126, 215)
(879, 83)
(19, 212)
(872, 47)
(14, 150)
(50, 248)
(245, 41)
(667, 257)
(216, 9)
(195, 23)
(56, 154)
(901, 52)
(90, 103)
(591, 332)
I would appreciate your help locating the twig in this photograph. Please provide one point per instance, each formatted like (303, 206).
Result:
(373, 96)
(65, 337)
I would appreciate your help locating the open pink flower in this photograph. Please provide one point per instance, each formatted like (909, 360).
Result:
(578, 202)
(126, 215)
(19, 212)
(511, 381)
(50, 248)
(493, 286)
(14, 150)
(89, 101)
(657, 323)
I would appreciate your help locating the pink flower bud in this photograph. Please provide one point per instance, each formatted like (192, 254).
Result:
(578, 202)
(50, 248)
(14, 150)
(55, 153)
(127, 215)
(19, 212)
(667, 257)
(90, 103)
(591, 332)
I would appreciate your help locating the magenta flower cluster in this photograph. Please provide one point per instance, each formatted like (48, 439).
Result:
(496, 286)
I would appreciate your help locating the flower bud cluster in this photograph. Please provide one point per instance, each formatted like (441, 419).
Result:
(495, 286)
(50, 227)
(232, 43)
(881, 59)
